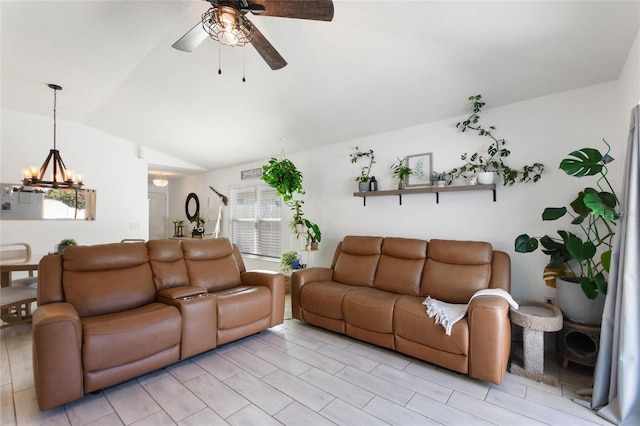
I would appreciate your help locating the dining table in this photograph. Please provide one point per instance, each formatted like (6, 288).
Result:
(7, 266)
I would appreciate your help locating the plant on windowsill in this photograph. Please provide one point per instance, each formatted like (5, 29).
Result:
(364, 178)
(491, 163)
(582, 260)
(401, 172)
(287, 261)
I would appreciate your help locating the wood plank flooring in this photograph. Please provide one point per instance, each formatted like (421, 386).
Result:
(295, 374)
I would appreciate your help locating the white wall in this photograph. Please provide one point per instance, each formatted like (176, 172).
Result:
(110, 166)
(540, 130)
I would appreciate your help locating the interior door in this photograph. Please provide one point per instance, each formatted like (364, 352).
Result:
(158, 221)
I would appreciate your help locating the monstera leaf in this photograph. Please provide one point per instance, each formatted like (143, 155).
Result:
(587, 162)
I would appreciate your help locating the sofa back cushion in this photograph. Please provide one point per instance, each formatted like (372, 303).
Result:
(455, 270)
(211, 263)
(107, 278)
(357, 260)
(167, 264)
(400, 266)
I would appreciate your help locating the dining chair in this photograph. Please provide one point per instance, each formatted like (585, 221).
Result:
(18, 252)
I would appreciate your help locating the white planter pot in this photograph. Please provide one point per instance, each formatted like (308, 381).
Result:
(442, 183)
(486, 178)
(363, 186)
(575, 306)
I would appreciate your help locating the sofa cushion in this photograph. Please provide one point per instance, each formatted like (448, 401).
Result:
(167, 264)
(117, 339)
(324, 298)
(357, 261)
(370, 309)
(412, 323)
(211, 264)
(242, 305)
(108, 278)
(455, 270)
(400, 266)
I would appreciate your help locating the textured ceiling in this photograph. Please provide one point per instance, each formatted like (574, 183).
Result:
(378, 66)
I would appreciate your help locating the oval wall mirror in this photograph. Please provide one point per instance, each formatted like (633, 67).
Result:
(192, 207)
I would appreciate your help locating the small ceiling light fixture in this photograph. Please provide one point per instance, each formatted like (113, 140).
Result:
(160, 180)
(227, 25)
(61, 177)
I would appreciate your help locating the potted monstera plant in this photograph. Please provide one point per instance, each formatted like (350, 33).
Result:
(581, 255)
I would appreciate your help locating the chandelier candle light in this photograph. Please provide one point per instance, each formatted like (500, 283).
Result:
(62, 177)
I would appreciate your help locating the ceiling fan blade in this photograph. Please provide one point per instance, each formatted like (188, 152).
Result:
(317, 10)
(192, 39)
(267, 51)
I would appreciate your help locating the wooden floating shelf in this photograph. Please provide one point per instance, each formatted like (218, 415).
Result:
(425, 190)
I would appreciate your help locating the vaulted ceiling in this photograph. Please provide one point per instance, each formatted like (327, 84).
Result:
(378, 66)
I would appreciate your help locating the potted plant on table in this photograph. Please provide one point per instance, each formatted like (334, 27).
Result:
(581, 257)
(63, 244)
(491, 163)
(289, 261)
(401, 172)
(364, 178)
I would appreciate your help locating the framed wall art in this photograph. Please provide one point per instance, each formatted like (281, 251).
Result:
(421, 164)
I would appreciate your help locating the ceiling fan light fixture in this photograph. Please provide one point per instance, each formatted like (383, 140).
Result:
(227, 25)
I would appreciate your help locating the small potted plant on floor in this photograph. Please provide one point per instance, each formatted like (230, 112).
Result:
(401, 172)
(364, 178)
(581, 256)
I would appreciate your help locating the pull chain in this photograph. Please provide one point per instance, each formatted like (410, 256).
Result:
(219, 67)
(244, 80)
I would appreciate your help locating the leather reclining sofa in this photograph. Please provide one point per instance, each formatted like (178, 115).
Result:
(374, 291)
(109, 313)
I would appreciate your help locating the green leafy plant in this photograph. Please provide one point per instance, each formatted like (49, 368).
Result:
(197, 221)
(68, 242)
(401, 171)
(286, 260)
(365, 171)
(441, 177)
(493, 160)
(313, 231)
(584, 259)
(284, 177)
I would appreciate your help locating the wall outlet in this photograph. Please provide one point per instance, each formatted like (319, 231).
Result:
(550, 300)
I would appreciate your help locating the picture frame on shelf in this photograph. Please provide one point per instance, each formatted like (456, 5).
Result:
(421, 164)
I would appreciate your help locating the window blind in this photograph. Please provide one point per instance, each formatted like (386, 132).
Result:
(255, 221)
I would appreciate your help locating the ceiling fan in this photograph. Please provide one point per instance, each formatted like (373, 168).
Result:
(226, 22)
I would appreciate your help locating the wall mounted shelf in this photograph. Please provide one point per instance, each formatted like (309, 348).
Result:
(425, 190)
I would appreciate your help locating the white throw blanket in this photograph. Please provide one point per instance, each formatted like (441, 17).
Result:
(448, 314)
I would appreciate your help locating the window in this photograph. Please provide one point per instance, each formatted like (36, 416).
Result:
(254, 220)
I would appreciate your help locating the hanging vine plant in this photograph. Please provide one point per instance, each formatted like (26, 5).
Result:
(493, 160)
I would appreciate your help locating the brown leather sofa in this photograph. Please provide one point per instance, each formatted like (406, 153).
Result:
(374, 291)
(109, 313)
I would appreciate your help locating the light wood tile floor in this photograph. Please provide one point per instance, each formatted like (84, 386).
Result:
(296, 374)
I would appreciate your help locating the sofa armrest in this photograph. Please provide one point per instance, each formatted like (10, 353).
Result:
(180, 292)
(275, 282)
(299, 278)
(57, 356)
(489, 338)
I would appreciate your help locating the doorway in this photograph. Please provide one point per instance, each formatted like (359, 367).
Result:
(157, 215)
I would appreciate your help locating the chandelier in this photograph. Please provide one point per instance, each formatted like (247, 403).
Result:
(160, 180)
(61, 177)
(227, 25)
